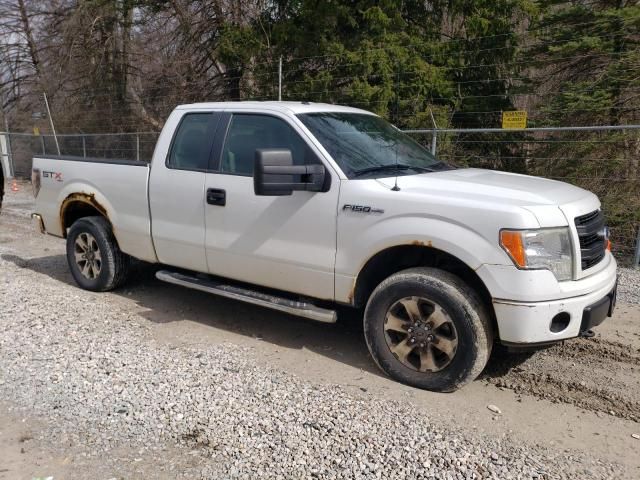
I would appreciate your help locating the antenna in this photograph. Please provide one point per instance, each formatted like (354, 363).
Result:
(396, 188)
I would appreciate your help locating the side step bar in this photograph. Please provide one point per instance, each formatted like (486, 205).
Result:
(301, 309)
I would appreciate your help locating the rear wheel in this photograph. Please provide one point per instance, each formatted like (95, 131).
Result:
(95, 260)
(426, 328)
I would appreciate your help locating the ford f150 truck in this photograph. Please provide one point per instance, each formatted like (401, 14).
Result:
(305, 208)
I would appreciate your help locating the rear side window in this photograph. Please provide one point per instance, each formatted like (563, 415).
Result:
(192, 143)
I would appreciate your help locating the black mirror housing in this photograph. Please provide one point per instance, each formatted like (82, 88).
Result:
(275, 174)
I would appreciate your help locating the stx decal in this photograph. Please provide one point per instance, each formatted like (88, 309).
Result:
(57, 176)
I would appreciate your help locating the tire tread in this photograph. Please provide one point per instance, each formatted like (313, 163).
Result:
(464, 296)
(116, 262)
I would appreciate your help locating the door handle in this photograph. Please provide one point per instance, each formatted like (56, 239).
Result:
(216, 196)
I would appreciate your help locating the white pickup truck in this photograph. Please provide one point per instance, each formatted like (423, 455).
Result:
(305, 208)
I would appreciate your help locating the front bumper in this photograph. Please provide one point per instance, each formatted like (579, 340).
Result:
(521, 323)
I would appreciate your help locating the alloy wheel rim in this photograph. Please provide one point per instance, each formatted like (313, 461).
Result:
(420, 334)
(87, 256)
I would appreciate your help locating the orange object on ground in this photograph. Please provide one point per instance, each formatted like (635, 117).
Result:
(14, 186)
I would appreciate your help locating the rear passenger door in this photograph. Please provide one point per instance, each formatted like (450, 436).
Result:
(177, 193)
(285, 242)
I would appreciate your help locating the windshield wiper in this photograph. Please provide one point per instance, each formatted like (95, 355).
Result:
(390, 167)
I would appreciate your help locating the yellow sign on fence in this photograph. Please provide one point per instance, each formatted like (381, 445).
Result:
(514, 119)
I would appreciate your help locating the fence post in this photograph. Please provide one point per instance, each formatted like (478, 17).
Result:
(636, 258)
(12, 166)
(434, 142)
(44, 151)
(434, 134)
(84, 147)
(280, 79)
(137, 147)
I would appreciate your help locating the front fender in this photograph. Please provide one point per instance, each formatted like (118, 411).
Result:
(354, 251)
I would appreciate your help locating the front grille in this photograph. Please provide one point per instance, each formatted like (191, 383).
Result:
(592, 242)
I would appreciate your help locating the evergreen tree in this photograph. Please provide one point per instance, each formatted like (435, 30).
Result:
(586, 71)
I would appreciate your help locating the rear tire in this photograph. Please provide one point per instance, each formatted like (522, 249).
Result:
(94, 257)
(426, 328)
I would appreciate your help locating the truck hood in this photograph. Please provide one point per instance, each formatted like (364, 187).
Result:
(491, 186)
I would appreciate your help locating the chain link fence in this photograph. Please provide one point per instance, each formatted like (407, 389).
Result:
(602, 159)
(22, 147)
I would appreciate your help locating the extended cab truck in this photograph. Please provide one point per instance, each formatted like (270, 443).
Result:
(306, 207)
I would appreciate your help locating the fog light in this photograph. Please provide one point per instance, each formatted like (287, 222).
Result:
(560, 322)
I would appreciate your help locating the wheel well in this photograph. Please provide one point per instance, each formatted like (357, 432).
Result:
(395, 259)
(75, 207)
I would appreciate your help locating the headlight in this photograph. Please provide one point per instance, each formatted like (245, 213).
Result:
(545, 248)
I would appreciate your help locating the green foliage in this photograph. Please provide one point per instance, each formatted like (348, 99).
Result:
(587, 60)
(454, 63)
(364, 53)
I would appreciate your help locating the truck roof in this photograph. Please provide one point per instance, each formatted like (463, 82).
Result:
(285, 107)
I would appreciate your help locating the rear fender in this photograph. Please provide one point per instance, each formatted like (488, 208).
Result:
(85, 194)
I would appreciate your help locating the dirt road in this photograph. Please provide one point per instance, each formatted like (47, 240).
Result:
(580, 399)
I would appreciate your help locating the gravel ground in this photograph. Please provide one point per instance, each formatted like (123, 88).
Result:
(102, 380)
(629, 286)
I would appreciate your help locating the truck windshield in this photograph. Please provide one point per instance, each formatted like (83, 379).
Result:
(366, 146)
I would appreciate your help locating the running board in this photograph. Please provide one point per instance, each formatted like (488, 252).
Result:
(301, 309)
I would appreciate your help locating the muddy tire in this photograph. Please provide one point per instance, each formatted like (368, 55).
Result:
(93, 255)
(426, 328)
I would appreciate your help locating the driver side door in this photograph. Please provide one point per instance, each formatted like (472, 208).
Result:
(282, 242)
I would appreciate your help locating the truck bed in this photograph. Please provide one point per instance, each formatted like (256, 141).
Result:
(117, 188)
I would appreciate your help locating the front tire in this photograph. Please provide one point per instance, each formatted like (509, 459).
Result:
(426, 328)
(95, 260)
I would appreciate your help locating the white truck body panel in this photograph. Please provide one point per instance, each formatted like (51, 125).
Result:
(121, 190)
(287, 243)
(176, 201)
(309, 244)
(5, 160)
(178, 211)
(528, 322)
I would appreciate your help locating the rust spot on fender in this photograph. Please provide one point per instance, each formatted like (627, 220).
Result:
(352, 292)
(420, 243)
(80, 197)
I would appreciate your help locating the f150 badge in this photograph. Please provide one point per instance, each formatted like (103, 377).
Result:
(362, 209)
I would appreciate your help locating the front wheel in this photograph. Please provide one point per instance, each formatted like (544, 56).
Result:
(95, 260)
(428, 329)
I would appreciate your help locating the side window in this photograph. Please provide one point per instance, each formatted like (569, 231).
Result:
(192, 142)
(247, 133)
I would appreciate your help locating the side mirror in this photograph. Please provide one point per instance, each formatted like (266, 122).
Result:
(275, 174)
